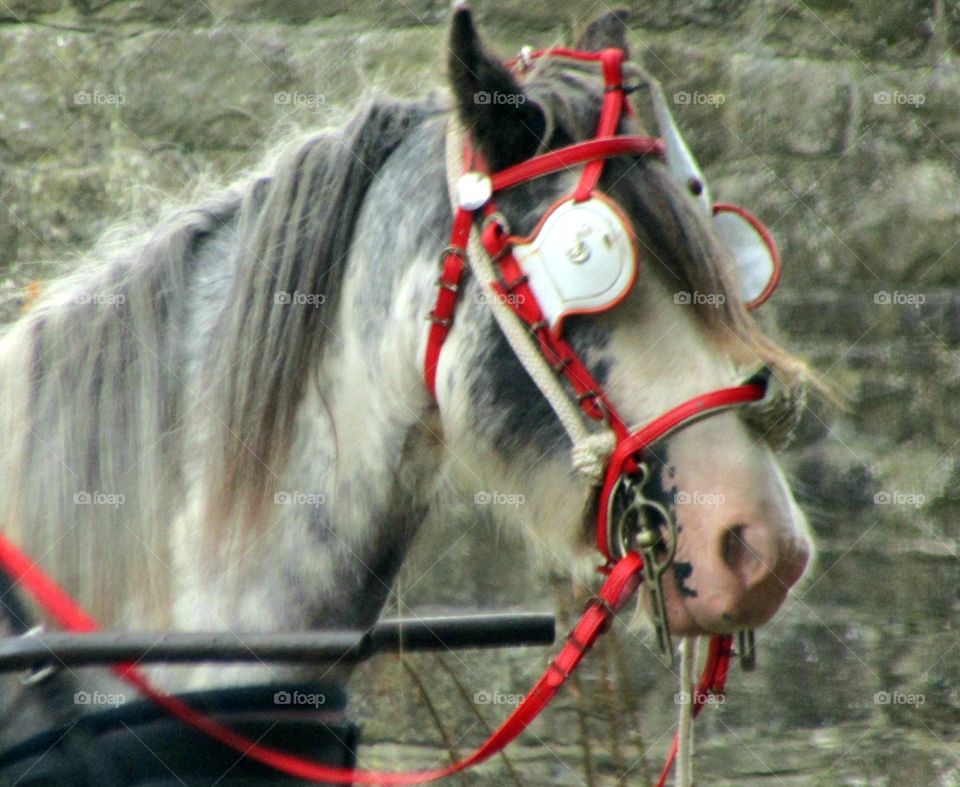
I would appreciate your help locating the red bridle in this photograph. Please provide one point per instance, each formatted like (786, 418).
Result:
(624, 567)
(512, 282)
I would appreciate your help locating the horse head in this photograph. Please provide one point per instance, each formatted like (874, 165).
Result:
(676, 328)
(255, 368)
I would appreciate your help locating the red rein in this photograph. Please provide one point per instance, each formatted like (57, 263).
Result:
(617, 590)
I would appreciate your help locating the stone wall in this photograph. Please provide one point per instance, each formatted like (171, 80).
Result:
(836, 121)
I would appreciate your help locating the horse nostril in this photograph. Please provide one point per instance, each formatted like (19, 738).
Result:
(731, 546)
(745, 553)
(754, 555)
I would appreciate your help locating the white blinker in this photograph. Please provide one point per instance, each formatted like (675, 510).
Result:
(582, 259)
(754, 252)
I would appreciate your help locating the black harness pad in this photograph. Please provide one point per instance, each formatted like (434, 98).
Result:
(138, 745)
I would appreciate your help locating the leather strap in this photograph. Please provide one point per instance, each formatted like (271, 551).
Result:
(573, 155)
(617, 590)
(448, 286)
(611, 60)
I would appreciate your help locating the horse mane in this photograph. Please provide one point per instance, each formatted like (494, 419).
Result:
(93, 376)
(296, 242)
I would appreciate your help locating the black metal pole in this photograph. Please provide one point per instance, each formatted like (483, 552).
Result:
(107, 647)
(409, 634)
(464, 631)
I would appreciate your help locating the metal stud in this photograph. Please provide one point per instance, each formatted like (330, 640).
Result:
(446, 322)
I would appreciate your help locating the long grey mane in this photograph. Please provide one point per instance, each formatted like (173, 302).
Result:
(92, 377)
(299, 239)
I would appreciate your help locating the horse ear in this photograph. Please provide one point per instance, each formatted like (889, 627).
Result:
(505, 125)
(606, 32)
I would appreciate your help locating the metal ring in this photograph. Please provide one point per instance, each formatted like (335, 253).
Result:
(448, 250)
(498, 217)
